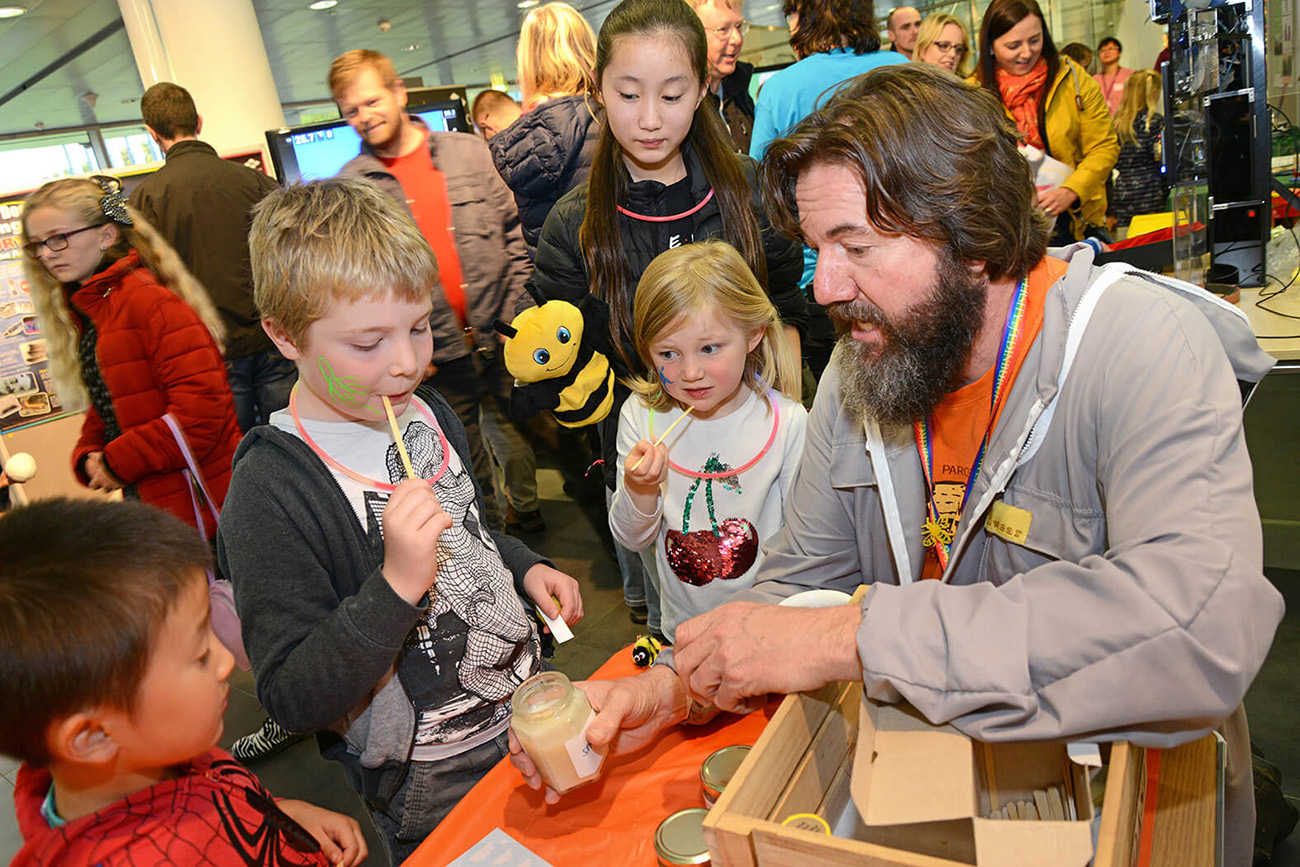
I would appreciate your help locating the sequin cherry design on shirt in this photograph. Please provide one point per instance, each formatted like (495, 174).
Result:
(725, 551)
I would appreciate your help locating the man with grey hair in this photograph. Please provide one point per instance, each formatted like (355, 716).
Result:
(725, 26)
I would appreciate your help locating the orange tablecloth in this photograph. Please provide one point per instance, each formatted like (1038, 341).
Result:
(610, 822)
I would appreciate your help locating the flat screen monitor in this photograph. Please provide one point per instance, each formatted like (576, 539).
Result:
(319, 150)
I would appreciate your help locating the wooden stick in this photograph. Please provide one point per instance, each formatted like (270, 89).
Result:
(991, 776)
(397, 438)
(662, 437)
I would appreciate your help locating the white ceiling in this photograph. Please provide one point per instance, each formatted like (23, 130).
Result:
(456, 42)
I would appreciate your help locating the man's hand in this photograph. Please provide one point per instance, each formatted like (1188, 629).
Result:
(630, 713)
(541, 583)
(98, 474)
(340, 837)
(413, 521)
(742, 650)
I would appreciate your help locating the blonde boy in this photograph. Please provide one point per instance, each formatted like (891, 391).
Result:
(112, 688)
(378, 610)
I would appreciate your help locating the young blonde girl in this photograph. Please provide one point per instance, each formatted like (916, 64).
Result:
(132, 338)
(707, 497)
(664, 174)
(1139, 187)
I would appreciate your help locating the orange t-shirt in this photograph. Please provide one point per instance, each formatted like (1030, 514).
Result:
(958, 424)
(426, 193)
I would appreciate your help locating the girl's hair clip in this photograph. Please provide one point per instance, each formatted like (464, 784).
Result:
(113, 202)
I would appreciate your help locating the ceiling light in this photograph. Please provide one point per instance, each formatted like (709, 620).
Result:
(12, 11)
(322, 5)
(527, 4)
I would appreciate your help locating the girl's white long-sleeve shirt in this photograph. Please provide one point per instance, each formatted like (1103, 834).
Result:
(698, 568)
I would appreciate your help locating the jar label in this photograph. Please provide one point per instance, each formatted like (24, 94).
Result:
(586, 760)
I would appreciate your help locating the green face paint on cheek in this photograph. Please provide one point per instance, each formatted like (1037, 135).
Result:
(343, 389)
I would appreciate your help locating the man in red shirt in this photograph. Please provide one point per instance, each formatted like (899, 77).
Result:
(466, 212)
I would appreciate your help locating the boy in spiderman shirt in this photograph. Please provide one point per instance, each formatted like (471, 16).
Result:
(112, 688)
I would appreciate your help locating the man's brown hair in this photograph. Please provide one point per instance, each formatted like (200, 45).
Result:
(938, 160)
(487, 101)
(169, 110)
(85, 587)
(348, 65)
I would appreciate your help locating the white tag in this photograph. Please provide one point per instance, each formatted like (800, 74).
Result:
(1084, 753)
(586, 761)
(559, 629)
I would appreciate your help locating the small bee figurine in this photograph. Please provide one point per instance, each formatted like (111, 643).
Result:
(645, 651)
(551, 352)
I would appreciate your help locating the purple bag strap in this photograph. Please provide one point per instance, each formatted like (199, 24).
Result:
(196, 477)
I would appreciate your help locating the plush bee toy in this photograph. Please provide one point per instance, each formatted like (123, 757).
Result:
(645, 651)
(551, 351)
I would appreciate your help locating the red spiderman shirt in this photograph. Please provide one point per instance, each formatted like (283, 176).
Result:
(215, 812)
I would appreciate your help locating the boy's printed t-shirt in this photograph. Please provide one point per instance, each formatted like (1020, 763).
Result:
(475, 644)
(958, 424)
(213, 812)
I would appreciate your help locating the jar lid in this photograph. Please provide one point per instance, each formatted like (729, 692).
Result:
(679, 840)
(543, 694)
(720, 767)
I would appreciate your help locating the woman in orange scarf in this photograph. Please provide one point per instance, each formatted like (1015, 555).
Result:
(1056, 106)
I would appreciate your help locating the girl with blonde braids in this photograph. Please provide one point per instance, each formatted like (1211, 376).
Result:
(135, 341)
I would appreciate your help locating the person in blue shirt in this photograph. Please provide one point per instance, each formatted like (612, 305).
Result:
(835, 41)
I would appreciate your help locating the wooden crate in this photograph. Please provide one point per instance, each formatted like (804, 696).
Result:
(802, 764)
(803, 761)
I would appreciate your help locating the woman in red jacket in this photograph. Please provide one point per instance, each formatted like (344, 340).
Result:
(133, 338)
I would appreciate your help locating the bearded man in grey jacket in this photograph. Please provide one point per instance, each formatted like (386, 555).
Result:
(1095, 554)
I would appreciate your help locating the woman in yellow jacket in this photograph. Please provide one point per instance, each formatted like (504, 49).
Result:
(1056, 106)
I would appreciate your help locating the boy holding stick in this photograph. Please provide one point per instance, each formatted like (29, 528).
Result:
(378, 609)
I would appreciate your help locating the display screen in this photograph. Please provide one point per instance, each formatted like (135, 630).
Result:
(319, 150)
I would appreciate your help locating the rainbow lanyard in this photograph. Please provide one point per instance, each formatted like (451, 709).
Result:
(935, 535)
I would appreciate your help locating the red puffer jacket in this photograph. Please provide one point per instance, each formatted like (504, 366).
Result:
(156, 357)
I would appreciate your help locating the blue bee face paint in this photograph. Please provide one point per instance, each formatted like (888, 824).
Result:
(665, 380)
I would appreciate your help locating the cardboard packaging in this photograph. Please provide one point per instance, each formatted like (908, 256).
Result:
(919, 798)
(932, 790)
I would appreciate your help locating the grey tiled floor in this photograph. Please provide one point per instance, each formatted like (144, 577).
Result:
(299, 771)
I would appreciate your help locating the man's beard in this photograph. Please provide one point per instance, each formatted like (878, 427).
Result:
(922, 353)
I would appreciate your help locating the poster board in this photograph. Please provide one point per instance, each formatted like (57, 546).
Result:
(27, 394)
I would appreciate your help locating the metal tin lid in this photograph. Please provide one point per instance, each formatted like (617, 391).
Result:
(720, 767)
(679, 840)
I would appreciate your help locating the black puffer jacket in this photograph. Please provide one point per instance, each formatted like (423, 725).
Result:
(546, 153)
(560, 271)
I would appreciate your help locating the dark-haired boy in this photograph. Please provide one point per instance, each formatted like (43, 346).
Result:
(112, 689)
